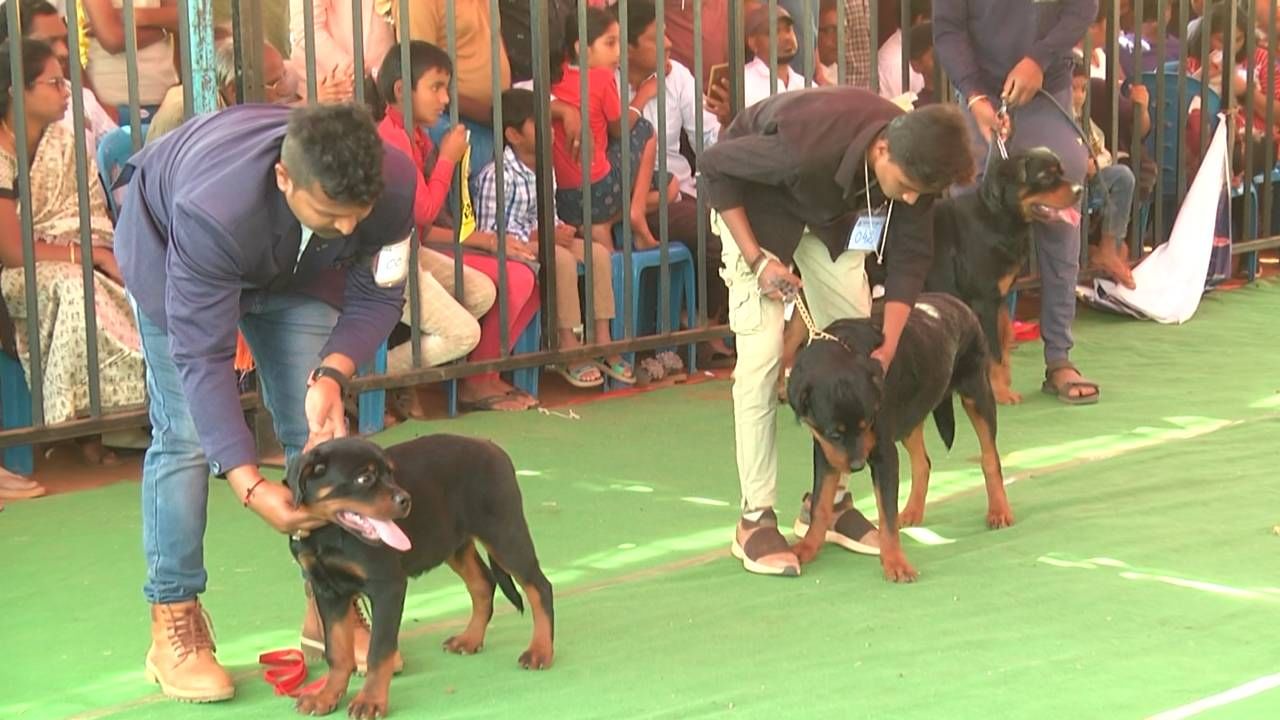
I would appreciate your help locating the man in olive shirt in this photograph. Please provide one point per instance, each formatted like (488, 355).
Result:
(819, 180)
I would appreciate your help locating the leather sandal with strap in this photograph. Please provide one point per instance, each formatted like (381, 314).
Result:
(1063, 390)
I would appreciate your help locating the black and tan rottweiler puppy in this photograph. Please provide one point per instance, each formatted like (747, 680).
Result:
(857, 415)
(397, 513)
(982, 240)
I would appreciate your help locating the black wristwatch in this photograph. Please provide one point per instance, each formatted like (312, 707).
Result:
(331, 373)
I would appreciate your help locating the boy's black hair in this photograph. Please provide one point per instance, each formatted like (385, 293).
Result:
(517, 109)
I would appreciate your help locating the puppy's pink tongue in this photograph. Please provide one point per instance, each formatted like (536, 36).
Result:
(391, 534)
(1070, 215)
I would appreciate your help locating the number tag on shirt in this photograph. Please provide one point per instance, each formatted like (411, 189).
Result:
(867, 232)
(391, 264)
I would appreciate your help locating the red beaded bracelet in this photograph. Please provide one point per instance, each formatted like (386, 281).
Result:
(249, 495)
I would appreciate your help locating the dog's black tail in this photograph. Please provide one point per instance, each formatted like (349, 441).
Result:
(503, 578)
(944, 416)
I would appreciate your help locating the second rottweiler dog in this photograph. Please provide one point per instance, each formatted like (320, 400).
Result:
(982, 240)
(857, 415)
(398, 513)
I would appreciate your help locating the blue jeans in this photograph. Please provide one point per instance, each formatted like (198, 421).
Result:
(1115, 184)
(286, 334)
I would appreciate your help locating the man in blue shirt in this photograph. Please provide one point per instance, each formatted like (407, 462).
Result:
(273, 222)
(1020, 52)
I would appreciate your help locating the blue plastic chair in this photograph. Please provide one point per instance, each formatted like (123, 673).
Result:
(114, 150)
(646, 304)
(372, 404)
(15, 405)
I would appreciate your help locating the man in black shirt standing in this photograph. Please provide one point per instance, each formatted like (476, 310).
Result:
(819, 180)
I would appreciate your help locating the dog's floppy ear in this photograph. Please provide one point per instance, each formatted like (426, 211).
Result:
(303, 468)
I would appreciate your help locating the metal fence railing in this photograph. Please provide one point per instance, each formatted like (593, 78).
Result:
(485, 32)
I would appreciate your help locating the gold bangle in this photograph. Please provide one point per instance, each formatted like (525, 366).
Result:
(975, 100)
(71, 253)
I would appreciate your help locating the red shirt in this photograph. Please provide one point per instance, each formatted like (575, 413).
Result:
(604, 106)
(433, 190)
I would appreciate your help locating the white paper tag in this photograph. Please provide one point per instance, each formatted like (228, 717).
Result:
(866, 233)
(391, 264)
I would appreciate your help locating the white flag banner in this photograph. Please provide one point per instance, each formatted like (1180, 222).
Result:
(1171, 280)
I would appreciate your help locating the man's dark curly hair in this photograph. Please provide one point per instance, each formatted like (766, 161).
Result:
(931, 145)
(338, 147)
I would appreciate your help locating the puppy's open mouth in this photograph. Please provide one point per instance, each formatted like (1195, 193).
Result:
(372, 530)
(1044, 213)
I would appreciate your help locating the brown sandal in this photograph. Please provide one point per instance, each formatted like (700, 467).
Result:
(1063, 391)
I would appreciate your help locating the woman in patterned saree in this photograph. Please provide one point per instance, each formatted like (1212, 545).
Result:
(60, 289)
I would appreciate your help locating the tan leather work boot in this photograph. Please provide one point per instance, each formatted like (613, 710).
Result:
(181, 657)
(313, 636)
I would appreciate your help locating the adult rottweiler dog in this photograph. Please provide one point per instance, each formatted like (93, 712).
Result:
(982, 239)
(397, 513)
(857, 415)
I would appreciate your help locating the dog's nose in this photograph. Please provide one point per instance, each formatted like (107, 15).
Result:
(402, 502)
(856, 465)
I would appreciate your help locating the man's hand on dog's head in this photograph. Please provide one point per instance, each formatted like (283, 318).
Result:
(273, 501)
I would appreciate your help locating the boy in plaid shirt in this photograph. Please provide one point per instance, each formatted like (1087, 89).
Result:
(520, 197)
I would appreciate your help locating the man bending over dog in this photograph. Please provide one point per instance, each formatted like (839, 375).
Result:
(273, 221)
(817, 180)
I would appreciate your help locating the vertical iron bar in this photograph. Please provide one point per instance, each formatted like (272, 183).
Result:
(504, 287)
(1250, 46)
(699, 145)
(539, 33)
(82, 197)
(18, 98)
(773, 47)
(1113, 69)
(253, 39)
(248, 41)
(904, 28)
(237, 32)
(873, 27)
(842, 39)
(664, 259)
(131, 72)
(588, 332)
(358, 70)
(415, 237)
(309, 45)
(197, 42)
(810, 59)
(1135, 134)
(628, 286)
(1184, 8)
(1086, 126)
(459, 177)
(1204, 81)
(1136, 242)
(1268, 186)
(737, 55)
